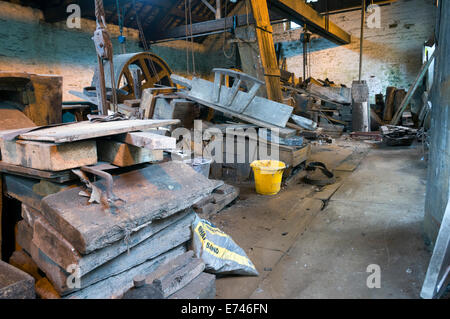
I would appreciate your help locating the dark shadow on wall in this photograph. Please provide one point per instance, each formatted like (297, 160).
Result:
(178, 59)
(42, 42)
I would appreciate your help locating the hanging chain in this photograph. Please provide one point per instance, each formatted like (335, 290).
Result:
(186, 32)
(192, 37)
(225, 36)
(144, 43)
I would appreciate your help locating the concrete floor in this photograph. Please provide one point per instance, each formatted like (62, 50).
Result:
(308, 242)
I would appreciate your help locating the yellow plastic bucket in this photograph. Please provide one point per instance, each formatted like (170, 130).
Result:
(268, 175)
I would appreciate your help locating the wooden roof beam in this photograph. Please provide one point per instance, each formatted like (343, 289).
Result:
(301, 13)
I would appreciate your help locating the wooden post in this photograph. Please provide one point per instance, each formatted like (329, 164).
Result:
(1, 215)
(267, 49)
(218, 11)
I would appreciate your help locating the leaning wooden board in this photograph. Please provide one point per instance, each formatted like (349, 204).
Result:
(88, 130)
(151, 193)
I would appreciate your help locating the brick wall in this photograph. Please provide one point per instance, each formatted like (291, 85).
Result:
(30, 44)
(392, 53)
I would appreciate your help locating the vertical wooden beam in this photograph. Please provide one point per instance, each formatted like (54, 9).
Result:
(267, 49)
(218, 9)
(1, 215)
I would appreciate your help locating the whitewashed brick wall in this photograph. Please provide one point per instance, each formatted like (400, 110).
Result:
(392, 53)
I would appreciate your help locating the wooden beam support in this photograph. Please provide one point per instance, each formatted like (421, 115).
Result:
(332, 7)
(303, 14)
(207, 27)
(267, 50)
(210, 7)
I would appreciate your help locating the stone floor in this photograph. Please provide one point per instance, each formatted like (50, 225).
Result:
(308, 242)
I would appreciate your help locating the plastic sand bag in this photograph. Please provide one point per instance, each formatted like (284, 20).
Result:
(219, 252)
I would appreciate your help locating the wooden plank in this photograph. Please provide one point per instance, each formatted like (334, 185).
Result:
(398, 99)
(58, 177)
(52, 243)
(165, 240)
(351, 162)
(20, 259)
(42, 95)
(1, 214)
(217, 25)
(203, 287)
(147, 103)
(122, 154)
(24, 236)
(220, 201)
(172, 282)
(88, 130)
(115, 286)
(151, 193)
(129, 111)
(48, 156)
(301, 13)
(389, 103)
(64, 254)
(12, 118)
(132, 103)
(338, 95)
(170, 266)
(171, 237)
(31, 191)
(294, 156)
(14, 283)
(55, 274)
(225, 189)
(44, 289)
(101, 256)
(47, 108)
(148, 140)
(412, 90)
(250, 55)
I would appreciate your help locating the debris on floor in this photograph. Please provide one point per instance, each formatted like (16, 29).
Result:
(398, 135)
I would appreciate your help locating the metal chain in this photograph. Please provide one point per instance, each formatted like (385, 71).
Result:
(225, 35)
(192, 38)
(187, 38)
(144, 43)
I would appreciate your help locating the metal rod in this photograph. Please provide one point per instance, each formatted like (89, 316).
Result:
(361, 40)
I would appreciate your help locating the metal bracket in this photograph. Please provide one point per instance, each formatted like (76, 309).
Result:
(111, 197)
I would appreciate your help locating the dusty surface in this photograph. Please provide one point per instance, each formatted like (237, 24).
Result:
(308, 242)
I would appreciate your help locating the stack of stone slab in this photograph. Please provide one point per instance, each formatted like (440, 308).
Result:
(95, 250)
(14, 283)
(181, 277)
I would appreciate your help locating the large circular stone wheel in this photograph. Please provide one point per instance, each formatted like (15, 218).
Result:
(152, 71)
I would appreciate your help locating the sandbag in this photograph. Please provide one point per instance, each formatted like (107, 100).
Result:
(219, 252)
